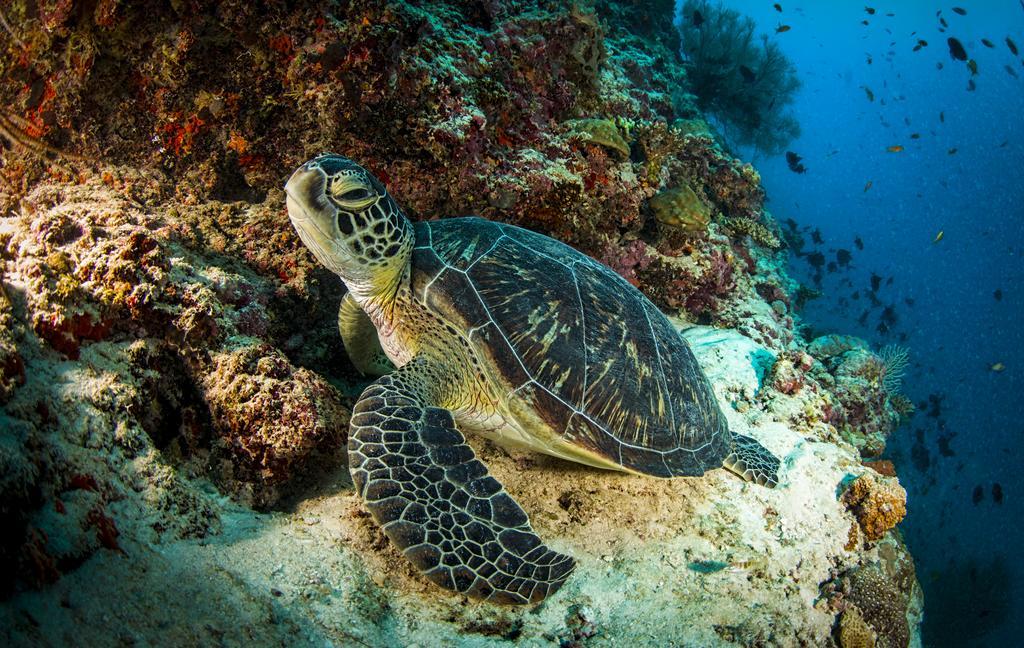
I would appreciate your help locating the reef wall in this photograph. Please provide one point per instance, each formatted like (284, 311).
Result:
(175, 396)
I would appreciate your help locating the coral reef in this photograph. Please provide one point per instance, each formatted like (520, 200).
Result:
(878, 504)
(174, 392)
(879, 599)
(868, 408)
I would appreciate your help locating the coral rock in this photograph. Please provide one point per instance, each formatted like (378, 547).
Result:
(878, 504)
(275, 420)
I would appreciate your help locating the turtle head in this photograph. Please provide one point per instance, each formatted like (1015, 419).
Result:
(352, 225)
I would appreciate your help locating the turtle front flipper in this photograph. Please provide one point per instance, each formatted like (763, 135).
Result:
(434, 499)
(362, 344)
(752, 461)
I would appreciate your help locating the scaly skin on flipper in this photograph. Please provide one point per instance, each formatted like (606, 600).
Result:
(518, 337)
(434, 499)
(752, 461)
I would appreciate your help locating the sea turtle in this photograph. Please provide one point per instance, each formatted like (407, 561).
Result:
(508, 333)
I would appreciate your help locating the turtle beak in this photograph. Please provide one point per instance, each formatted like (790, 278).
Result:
(306, 190)
(313, 216)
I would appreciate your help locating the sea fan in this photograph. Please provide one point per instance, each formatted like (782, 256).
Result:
(894, 361)
(746, 83)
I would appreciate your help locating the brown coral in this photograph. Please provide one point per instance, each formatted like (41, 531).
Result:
(681, 208)
(603, 132)
(879, 504)
(853, 631)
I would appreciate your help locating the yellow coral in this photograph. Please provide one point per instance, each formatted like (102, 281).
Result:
(600, 131)
(854, 631)
(878, 503)
(755, 230)
(681, 208)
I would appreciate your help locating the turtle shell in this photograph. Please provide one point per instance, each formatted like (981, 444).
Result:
(595, 359)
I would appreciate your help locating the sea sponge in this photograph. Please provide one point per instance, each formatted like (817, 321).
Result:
(879, 504)
(853, 631)
(600, 131)
(681, 208)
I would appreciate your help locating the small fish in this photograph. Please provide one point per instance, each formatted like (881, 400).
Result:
(867, 186)
(942, 116)
(894, 149)
(748, 74)
(962, 12)
(1011, 45)
(943, 21)
(956, 49)
(871, 95)
(918, 46)
(778, 7)
(870, 10)
(978, 494)
(951, 151)
(971, 85)
(1011, 71)
(794, 163)
(938, 66)
(997, 294)
(997, 493)
(869, 59)
(858, 242)
(972, 65)
(987, 43)
(816, 237)
(938, 237)
(697, 19)
(915, 136)
(864, 22)
(782, 28)
(997, 367)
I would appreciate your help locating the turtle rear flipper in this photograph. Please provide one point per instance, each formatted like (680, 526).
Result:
(752, 461)
(434, 499)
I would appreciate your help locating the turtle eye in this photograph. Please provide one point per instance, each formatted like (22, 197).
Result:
(357, 194)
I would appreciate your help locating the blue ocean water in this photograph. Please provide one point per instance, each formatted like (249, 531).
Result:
(956, 301)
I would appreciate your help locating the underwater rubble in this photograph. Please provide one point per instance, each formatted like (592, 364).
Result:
(176, 397)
